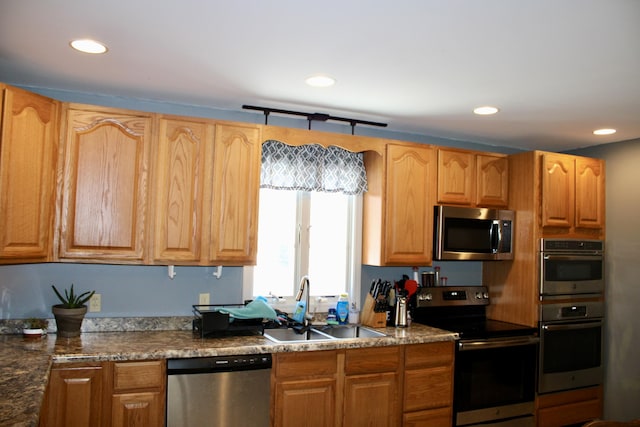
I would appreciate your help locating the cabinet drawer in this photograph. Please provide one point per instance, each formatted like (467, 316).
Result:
(433, 418)
(138, 375)
(428, 388)
(432, 354)
(371, 360)
(313, 363)
(572, 413)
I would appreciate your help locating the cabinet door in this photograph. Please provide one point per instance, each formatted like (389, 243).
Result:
(590, 192)
(28, 151)
(236, 180)
(371, 400)
(456, 172)
(558, 188)
(74, 398)
(104, 206)
(180, 170)
(142, 409)
(492, 180)
(411, 171)
(307, 402)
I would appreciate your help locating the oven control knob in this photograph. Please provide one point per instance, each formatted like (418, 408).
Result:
(478, 295)
(485, 295)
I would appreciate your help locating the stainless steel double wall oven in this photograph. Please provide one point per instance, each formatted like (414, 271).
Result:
(571, 314)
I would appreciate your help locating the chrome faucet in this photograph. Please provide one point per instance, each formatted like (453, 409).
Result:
(304, 286)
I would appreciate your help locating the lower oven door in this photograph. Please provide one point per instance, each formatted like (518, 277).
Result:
(570, 355)
(495, 381)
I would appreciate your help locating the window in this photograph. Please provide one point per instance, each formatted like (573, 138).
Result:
(306, 233)
(309, 224)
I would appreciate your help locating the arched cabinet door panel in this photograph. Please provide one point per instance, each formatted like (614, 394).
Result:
(105, 186)
(28, 154)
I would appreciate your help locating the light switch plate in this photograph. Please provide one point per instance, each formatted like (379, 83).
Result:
(204, 299)
(95, 303)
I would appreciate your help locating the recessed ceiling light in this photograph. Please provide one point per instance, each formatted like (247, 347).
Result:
(88, 46)
(485, 110)
(320, 80)
(604, 131)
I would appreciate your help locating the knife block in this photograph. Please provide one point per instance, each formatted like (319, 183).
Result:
(368, 317)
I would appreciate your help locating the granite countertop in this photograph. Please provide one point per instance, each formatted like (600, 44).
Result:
(25, 363)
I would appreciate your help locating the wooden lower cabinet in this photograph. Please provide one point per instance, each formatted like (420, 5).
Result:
(74, 397)
(381, 386)
(138, 393)
(570, 407)
(428, 384)
(371, 387)
(117, 394)
(303, 389)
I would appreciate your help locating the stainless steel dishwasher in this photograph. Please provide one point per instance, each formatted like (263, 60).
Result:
(230, 391)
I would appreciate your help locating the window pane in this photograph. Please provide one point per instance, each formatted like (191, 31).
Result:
(276, 245)
(328, 243)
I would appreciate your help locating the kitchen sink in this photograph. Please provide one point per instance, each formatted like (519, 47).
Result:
(351, 331)
(291, 335)
(321, 333)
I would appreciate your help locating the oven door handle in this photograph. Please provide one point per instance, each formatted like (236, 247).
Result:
(569, 326)
(555, 257)
(498, 343)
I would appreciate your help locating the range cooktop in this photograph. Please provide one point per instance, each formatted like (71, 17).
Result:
(462, 309)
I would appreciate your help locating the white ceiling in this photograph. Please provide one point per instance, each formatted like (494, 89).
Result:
(557, 69)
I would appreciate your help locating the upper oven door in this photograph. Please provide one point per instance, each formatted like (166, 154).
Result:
(570, 274)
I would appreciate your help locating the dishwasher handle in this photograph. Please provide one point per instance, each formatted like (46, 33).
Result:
(203, 365)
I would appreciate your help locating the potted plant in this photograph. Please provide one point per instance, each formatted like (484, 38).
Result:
(70, 313)
(35, 328)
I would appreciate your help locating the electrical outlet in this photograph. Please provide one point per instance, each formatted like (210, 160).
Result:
(204, 299)
(95, 303)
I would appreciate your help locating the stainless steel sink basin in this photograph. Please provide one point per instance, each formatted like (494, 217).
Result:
(290, 336)
(322, 333)
(351, 331)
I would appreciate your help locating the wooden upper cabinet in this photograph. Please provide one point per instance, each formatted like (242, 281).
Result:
(492, 180)
(28, 155)
(236, 184)
(590, 191)
(456, 173)
(558, 190)
(398, 208)
(471, 178)
(104, 189)
(182, 172)
(572, 193)
(409, 204)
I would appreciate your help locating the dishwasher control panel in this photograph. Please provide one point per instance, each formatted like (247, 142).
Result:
(219, 364)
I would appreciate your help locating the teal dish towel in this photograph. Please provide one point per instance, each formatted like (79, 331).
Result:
(256, 309)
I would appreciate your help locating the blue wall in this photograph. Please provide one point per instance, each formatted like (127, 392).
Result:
(25, 290)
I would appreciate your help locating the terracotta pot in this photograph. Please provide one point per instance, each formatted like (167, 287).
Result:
(68, 320)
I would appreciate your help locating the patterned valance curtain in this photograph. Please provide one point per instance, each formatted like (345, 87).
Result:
(312, 168)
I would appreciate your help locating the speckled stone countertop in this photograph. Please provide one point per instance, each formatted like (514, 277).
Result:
(25, 363)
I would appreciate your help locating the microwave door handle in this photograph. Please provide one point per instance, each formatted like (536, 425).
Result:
(494, 235)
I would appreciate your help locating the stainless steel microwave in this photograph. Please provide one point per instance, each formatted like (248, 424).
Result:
(478, 234)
